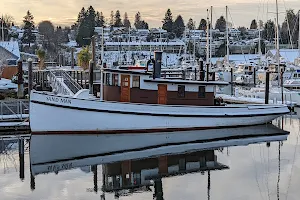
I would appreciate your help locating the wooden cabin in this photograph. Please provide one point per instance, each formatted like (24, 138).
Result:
(141, 87)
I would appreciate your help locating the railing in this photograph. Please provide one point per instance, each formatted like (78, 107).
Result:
(14, 109)
(70, 82)
(56, 81)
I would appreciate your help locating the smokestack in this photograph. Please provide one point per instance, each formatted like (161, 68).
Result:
(157, 64)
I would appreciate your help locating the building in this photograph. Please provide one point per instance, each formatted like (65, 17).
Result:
(234, 32)
(9, 53)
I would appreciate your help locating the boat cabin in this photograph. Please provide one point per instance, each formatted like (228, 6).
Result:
(140, 87)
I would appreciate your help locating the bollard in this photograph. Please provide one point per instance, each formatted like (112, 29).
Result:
(20, 80)
(91, 74)
(30, 76)
(267, 87)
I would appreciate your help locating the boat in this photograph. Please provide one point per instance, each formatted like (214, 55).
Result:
(142, 102)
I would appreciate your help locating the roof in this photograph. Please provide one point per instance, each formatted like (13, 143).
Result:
(159, 80)
(12, 47)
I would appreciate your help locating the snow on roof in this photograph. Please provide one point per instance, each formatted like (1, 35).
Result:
(237, 58)
(11, 46)
(178, 43)
(288, 54)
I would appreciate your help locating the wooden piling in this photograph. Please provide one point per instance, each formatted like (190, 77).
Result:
(91, 76)
(267, 87)
(20, 81)
(21, 159)
(231, 81)
(30, 76)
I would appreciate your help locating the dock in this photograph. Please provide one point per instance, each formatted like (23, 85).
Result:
(14, 117)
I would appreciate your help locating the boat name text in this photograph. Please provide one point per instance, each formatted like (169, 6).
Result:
(59, 100)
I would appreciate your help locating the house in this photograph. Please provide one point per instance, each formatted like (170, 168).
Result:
(9, 53)
(234, 32)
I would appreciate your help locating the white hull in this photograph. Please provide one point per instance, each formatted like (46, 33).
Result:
(51, 114)
(49, 148)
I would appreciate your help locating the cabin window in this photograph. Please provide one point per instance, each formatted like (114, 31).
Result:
(107, 79)
(135, 81)
(181, 91)
(201, 92)
(115, 79)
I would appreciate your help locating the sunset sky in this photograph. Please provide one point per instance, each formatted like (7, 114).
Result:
(64, 12)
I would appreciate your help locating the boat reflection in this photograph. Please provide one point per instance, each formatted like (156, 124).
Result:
(140, 170)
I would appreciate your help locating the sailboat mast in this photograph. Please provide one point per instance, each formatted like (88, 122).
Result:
(2, 28)
(227, 35)
(277, 39)
(102, 63)
(207, 37)
(211, 36)
(299, 33)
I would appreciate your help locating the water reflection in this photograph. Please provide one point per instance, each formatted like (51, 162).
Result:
(217, 169)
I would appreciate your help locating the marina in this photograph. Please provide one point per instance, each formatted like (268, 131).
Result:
(105, 106)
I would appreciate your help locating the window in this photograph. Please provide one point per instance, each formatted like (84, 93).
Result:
(107, 79)
(181, 91)
(201, 92)
(115, 79)
(135, 81)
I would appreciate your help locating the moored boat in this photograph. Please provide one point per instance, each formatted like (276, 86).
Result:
(137, 101)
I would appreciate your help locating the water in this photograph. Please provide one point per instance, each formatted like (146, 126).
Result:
(269, 169)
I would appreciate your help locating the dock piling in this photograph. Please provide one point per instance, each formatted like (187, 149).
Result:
(30, 76)
(20, 81)
(91, 74)
(267, 87)
(21, 158)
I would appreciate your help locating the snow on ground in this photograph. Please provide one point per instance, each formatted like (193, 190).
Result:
(7, 84)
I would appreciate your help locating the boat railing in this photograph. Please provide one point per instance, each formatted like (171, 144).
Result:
(70, 82)
(57, 82)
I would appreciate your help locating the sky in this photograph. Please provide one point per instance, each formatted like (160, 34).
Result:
(64, 12)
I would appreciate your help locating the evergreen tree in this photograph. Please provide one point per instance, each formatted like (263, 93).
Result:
(118, 21)
(137, 20)
(221, 24)
(91, 15)
(168, 21)
(203, 25)
(86, 26)
(139, 23)
(269, 30)
(28, 36)
(178, 26)
(190, 25)
(5, 28)
(112, 19)
(100, 20)
(46, 29)
(126, 21)
(81, 16)
(253, 24)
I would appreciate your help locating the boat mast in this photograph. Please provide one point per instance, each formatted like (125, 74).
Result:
(299, 33)
(211, 38)
(227, 36)
(2, 28)
(207, 39)
(102, 62)
(277, 41)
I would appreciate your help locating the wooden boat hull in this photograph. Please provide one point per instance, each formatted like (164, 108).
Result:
(50, 114)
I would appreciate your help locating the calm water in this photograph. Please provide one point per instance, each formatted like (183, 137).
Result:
(256, 171)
